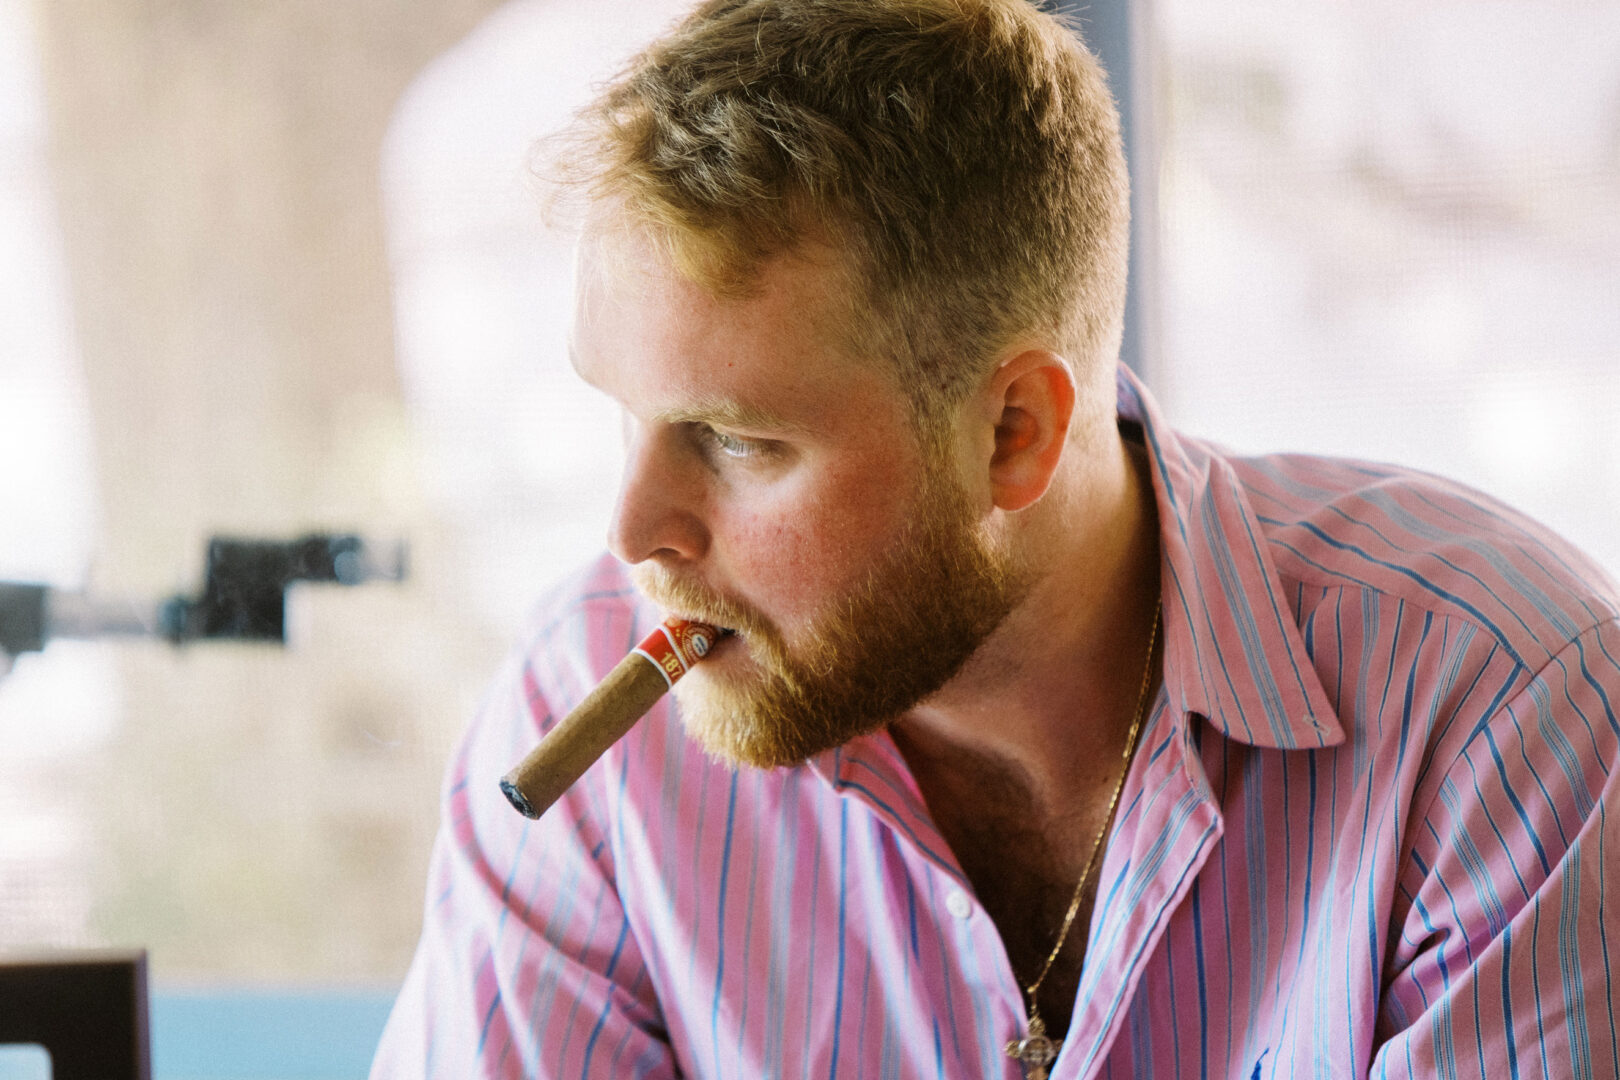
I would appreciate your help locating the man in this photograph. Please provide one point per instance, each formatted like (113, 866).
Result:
(1050, 741)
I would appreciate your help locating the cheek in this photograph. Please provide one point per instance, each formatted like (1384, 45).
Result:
(791, 556)
(780, 562)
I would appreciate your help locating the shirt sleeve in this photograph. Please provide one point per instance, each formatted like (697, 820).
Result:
(1505, 966)
(527, 966)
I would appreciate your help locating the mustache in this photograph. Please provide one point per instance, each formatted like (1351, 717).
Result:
(690, 600)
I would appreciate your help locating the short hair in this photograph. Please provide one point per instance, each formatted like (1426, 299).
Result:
(963, 156)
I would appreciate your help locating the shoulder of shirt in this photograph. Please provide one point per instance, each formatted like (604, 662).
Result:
(600, 586)
(584, 623)
(1420, 538)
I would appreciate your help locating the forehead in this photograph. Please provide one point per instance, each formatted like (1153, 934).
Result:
(660, 343)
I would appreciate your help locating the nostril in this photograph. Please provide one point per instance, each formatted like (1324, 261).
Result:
(658, 531)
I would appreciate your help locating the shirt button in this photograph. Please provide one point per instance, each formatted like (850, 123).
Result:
(958, 904)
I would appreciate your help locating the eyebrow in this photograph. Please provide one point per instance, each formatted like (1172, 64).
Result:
(715, 411)
(727, 413)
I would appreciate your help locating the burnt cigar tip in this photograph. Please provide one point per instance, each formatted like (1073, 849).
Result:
(518, 801)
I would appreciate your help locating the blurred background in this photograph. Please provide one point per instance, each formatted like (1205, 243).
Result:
(274, 268)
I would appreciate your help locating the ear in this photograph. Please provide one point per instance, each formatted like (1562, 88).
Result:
(1031, 398)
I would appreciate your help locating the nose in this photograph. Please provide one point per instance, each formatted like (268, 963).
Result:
(657, 513)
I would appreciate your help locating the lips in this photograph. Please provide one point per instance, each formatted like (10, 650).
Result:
(724, 631)
(723, 643)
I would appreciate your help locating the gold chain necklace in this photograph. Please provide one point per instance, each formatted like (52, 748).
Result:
(1036, 1050)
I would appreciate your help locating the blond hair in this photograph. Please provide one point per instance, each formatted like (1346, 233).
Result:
(963, 156)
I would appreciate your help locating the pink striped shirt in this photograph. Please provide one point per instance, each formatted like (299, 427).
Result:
(1367, 833)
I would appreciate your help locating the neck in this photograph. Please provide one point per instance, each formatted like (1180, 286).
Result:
(1046, 701)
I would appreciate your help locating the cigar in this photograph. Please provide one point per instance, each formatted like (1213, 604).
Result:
(633, 686)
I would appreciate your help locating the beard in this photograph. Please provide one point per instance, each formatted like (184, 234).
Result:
(868, 656)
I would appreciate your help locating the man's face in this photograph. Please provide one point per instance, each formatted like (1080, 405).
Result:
(776, 487)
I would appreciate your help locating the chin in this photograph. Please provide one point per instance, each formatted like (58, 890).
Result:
(718, 711)
(729, 666)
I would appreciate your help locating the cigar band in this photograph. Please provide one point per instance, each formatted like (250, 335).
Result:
(674, 646)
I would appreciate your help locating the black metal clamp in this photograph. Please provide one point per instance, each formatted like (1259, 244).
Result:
(244, 595)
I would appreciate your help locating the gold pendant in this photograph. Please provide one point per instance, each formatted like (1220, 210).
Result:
(1035, 1051)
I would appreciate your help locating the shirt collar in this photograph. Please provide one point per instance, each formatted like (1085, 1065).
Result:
(1233, 650)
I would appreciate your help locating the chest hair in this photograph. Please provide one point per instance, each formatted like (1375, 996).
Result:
(1024, 871)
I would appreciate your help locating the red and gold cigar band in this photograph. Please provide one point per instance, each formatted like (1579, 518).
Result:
(675, 645)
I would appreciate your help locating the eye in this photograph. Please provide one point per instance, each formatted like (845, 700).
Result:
(733, 447)
(722, 449)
